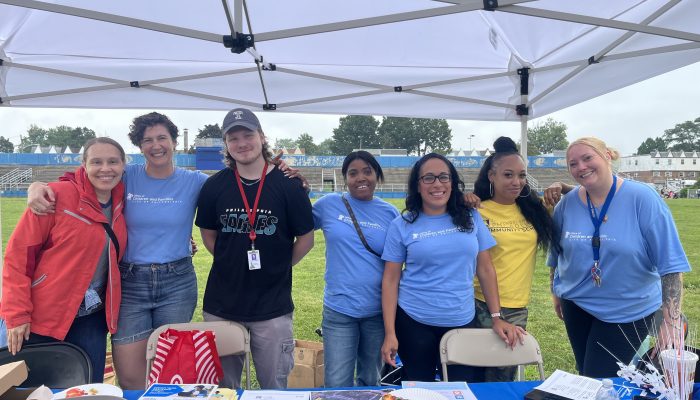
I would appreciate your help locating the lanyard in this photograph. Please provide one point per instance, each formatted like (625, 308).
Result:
(597, 221)
(251, 212)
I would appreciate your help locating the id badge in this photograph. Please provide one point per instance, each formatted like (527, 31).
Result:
(254, 260)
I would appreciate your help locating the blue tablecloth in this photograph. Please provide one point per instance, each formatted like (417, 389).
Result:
(482, 391)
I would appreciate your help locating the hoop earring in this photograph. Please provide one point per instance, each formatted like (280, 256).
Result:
(529, 190)
(491, 188)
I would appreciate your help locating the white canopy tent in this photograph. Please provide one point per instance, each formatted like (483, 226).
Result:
(500, 60)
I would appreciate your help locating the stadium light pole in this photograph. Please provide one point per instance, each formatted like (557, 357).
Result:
(470, 142)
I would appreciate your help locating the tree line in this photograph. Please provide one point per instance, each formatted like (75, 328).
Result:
(417, 135)
(682, 137)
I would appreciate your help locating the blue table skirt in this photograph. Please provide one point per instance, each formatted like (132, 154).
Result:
(504, 391)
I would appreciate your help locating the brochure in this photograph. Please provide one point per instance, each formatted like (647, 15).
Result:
(450, 390)
(163, 391)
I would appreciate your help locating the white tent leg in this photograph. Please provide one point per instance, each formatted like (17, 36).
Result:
(523, 136)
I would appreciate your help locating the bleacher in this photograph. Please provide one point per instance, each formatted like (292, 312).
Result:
(322, 172)
(321, 179)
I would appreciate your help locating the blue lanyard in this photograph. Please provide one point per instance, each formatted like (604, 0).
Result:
(597, 221)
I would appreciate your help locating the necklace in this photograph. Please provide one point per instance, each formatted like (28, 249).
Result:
(250, 183)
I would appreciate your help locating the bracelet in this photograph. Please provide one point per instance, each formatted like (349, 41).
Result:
(496, 315)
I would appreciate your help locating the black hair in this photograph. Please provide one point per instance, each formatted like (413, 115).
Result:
(366, 157)
(456, 206)
(529, 201)
(143, 122)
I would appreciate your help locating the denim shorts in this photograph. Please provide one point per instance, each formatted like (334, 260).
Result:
(154, 295)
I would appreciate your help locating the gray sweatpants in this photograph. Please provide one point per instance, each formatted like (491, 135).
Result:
(272, 346)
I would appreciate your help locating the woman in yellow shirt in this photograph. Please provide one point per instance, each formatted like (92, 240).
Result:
(520, 223)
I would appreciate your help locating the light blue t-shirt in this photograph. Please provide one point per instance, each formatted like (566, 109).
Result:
(353, 274)
(159, 214)
(437, 283)
(638, 244)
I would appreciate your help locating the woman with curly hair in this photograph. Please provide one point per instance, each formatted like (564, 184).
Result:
(443, 244)
(520, 223)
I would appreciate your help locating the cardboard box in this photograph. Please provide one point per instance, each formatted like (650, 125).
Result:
(308, 365)
(12, 374)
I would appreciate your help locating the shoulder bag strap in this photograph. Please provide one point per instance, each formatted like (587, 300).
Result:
(112, 236)
(357, 227)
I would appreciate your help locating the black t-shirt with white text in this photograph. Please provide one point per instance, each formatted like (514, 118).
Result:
(233, 291)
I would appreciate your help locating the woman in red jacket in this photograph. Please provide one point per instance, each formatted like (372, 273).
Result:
(61, 279)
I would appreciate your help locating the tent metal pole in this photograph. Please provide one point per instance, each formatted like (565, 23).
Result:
(465, 6)
(523, 137)
(604, 22)
(238, 15)
(115, 19)
(656, 14)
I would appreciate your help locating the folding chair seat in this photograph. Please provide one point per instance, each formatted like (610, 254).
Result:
(56, 364)
(484, 348)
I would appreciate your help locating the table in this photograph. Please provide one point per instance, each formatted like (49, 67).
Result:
(490, 391)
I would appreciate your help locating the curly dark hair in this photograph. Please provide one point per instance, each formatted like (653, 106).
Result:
(529, 201)
(456, 206)
(143, 122)
(231, 163)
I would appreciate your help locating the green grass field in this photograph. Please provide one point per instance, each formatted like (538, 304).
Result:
(543, 324)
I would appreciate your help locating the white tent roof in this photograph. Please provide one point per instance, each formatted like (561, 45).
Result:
(421, 58)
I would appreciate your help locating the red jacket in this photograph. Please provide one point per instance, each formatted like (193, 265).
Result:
(50, 260)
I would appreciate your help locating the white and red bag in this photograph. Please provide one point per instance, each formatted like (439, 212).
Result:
(184, 357)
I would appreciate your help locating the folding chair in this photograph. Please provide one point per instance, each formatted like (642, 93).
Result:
(231, 339)
(54, 364)
(484, 348)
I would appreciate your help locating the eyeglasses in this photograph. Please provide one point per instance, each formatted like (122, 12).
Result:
(430, 178)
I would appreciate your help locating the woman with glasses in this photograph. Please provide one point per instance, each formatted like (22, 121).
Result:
(517, 219)
(354, 225)
(620, 260)
(443, 244)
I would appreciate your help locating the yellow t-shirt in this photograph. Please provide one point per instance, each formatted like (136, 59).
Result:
(514, 254)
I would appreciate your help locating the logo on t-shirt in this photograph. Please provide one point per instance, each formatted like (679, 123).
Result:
(581, 237)
(139, 198)
(236, 220)
(363, 224)
(431, 234)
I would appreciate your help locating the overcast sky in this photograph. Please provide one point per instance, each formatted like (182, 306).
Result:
(623, 118)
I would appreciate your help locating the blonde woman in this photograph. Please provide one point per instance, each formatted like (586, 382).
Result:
(620, 260)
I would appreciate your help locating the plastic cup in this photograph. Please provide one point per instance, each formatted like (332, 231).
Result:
(679, 370)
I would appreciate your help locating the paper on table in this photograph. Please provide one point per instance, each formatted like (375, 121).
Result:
(451, 390)
(570, 386)
(274, 395)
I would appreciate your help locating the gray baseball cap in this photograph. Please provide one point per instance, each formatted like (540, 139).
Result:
(240, 117)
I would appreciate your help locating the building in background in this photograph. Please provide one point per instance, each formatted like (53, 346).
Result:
(670, 170)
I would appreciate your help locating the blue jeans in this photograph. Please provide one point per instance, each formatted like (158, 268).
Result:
(351, 343)
(154, 295)
(272, 347)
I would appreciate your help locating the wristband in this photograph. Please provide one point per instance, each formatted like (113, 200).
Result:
(496, 315)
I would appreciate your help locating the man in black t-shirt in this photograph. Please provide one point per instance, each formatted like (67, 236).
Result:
(250, 281)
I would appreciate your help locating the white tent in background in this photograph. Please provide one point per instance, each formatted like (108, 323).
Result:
(500, 60)
(52, 150)
(37, 150)
(82, 150)
(67, 150)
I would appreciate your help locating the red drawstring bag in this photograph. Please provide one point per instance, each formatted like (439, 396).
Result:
(185, 357)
